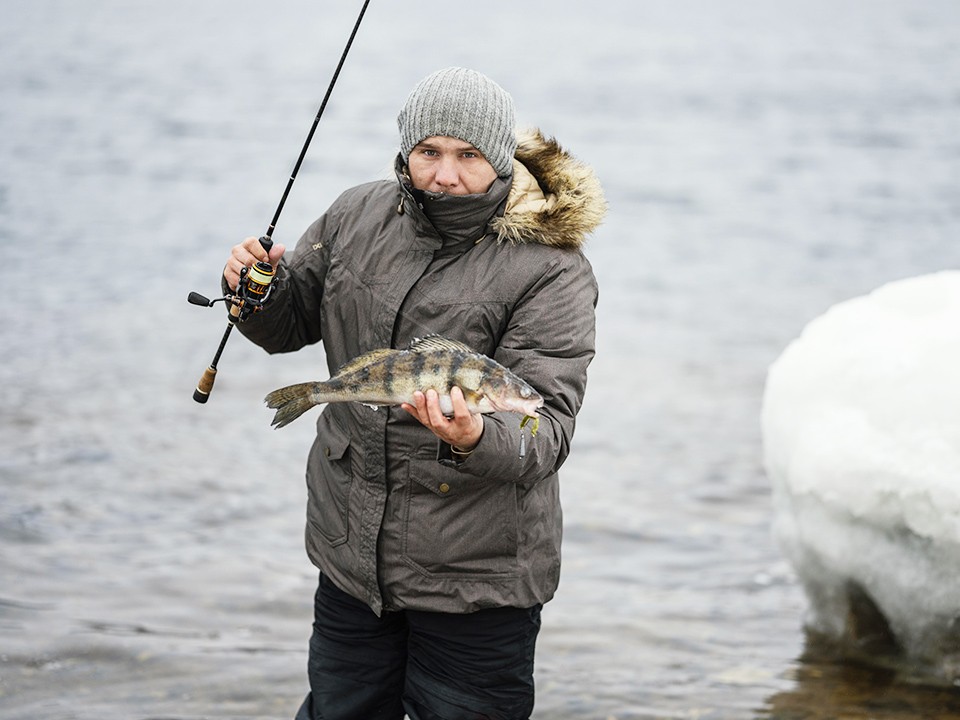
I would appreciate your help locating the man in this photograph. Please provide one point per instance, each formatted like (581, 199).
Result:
(438, 538)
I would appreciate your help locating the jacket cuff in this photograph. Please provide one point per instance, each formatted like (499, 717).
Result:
(448, 457)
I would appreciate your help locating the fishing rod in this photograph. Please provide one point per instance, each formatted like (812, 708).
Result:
(255, 284)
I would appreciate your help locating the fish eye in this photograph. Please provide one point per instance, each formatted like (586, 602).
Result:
(524, 392)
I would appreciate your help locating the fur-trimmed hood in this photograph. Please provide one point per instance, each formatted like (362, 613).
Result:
(555, 199)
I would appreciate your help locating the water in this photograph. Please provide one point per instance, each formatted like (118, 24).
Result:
(762, 161)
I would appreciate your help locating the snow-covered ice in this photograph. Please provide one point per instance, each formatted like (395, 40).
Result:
(861, 432)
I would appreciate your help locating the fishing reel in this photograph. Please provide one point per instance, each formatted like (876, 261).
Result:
(252, 293)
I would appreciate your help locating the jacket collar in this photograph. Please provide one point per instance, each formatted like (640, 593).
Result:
(459, 220)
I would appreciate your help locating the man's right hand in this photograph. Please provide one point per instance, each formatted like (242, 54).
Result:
(245, 255)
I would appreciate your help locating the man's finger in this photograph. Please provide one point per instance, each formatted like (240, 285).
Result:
(418, 408)
(410, 409)
(276, 252)
(434, 415)
(460, 409)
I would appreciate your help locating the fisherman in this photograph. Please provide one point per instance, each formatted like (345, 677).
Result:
(438, 538)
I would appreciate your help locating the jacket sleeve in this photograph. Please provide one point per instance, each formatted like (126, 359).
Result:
(549, 342)
(291, 317)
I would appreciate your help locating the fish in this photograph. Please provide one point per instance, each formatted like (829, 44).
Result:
(386, 377)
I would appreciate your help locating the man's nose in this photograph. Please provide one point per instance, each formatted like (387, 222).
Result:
(447, 173)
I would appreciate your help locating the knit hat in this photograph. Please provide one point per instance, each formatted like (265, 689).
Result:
(463, 104)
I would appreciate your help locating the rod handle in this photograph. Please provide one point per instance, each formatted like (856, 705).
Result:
(202, 393)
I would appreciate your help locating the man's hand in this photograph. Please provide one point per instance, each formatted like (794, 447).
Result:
(462, 431)
(246, 254)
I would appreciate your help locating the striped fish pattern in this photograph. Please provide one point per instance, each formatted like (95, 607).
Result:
(390, 377)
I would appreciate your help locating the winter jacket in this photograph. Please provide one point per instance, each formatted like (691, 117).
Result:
(392, 518)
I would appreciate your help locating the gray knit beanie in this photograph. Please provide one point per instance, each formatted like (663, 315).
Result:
(466, 105)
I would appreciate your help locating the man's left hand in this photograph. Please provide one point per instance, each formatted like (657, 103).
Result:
(462, 431)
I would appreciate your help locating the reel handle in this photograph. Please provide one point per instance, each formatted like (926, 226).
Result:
(195, 298)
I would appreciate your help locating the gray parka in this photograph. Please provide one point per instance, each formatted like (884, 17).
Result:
(391, 518)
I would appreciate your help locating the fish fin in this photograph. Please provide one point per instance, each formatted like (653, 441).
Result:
(438, 342)
(290, 402)
(471, 397)
(365, 359)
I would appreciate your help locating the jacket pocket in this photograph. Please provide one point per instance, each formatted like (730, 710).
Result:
(329, 482)
(457, 525)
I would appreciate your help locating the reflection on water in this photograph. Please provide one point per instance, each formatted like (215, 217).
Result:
(828, 687)
(762, 161)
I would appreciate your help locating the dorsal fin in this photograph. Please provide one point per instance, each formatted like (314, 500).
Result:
(366, 359)
(432, 343)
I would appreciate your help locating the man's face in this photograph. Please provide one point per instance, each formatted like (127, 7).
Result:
(447, 165)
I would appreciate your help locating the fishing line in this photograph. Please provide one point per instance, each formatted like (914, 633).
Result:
(255, 284)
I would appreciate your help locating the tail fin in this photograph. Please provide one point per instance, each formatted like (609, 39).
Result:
(290, 402)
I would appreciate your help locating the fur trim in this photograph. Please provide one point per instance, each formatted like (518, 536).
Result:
(555, 199)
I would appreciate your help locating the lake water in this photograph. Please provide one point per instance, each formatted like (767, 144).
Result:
(763, 161)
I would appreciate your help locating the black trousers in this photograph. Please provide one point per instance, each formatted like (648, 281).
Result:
(427, 666)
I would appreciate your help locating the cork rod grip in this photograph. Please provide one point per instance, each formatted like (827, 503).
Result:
(202, 393)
